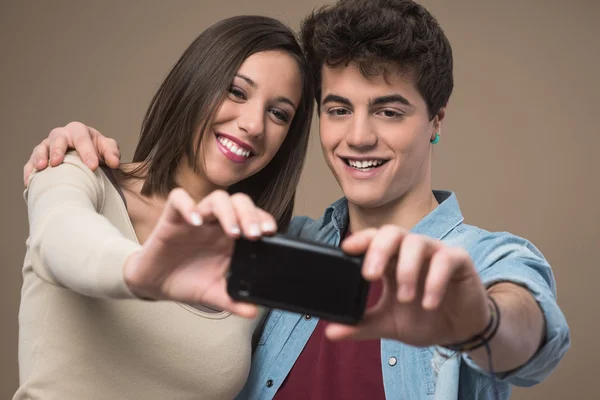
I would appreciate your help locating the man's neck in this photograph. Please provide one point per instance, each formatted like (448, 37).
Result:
(406, 211)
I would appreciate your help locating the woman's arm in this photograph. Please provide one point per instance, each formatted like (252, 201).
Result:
(185, 258)
(71, 244)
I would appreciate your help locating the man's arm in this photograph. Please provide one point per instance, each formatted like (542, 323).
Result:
(437, 295)
(533, 335)
(520, 333)
(90, 144)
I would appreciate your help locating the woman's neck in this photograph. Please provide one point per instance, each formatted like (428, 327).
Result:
(194, 183)
(144, 211)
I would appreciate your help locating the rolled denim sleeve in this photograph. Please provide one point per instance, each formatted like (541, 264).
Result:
(506, 258)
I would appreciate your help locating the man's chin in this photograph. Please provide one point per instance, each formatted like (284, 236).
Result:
(364, 199)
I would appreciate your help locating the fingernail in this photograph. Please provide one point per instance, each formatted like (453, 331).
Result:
(254, 230)
(54, 156)
(268, 227)
(36, 161)
(196, 219)
(235, 230)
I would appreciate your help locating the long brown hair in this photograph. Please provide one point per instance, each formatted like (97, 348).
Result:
(191, 94)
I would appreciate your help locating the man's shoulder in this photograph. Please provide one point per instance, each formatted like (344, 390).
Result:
(492, 246)
(304, 227)
(475, 236)
(309, 228)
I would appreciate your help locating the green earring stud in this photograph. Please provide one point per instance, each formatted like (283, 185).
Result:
(436, 139)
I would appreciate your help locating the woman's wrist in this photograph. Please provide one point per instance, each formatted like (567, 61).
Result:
(130, 275)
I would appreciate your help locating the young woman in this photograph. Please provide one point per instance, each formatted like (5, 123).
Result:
(232, 115)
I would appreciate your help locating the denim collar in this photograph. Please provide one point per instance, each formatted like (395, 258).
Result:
(437, 224)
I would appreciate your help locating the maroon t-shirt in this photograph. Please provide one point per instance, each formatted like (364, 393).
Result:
(328, 370)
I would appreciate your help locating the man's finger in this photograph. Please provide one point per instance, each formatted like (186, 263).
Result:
(358, 243)
(376, 322)
(383, 248)
(415, 251)
(82, 138)
(108, 149)
(372, 326)
(443, 267)
(27, 170)
(58, 145)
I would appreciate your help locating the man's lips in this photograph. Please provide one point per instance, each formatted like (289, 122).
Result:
(364, 162)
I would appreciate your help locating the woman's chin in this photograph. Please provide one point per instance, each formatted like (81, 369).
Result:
(224, 178)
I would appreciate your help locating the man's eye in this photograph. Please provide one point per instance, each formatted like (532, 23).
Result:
(391, 114)
(338, 111)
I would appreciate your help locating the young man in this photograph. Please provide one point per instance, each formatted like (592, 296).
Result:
(384, 70)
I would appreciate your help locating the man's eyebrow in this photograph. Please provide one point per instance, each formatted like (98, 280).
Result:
(334, 98)
(392, 98)
(248, 80)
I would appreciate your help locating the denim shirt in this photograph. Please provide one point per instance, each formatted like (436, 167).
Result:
(411, 373)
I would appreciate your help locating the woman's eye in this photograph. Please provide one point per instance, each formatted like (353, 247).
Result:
(237, 92)
(280, 115)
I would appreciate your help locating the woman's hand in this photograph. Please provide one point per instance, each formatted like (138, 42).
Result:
(187, 255)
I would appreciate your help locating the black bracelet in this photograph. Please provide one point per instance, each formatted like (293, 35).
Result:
(484, 337)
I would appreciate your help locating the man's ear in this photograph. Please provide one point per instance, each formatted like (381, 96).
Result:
(437, 122)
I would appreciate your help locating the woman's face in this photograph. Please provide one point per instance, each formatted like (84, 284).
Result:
(253, 121)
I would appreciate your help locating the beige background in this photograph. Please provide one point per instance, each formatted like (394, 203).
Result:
(517, 147)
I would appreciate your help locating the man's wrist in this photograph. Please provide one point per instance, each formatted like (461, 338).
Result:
(484, 336)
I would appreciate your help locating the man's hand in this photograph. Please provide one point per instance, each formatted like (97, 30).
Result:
(91, 145)
(433, 296)
(432, 292)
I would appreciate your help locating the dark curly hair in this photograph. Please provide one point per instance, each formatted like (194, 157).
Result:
(376, 33)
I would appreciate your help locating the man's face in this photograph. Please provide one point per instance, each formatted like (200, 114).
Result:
(375, 135)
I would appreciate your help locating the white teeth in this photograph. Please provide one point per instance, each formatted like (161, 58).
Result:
(365, 164)
(233, 148)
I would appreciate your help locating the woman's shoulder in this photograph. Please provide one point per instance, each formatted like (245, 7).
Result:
(71, 174)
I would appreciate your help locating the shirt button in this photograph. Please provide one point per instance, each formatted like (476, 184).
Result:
(270, 383)
(392, 361)
(307, 317)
